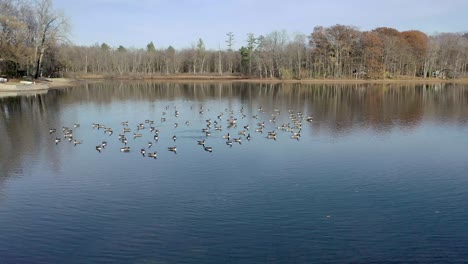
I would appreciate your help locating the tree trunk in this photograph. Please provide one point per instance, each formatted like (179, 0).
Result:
(220, 70)
(38, 64)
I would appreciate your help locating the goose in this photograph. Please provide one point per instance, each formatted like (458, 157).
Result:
(241, 133)
(143, 152)
(187, 123)
(52, 130)
(163, 119)
(101, 126)
(201, 142)
(125, 149)
(152, 155)
(173, 149)
(238, 140)
(176, 125)
(68, 135)
(104, 144)
(260, 129)
(229, 143)
(99, 148)
(95, 125)
(75, 125)
(174, 138)
(248, 137)
(126, 129)
(208, 133)
(227, 136)
(309, 118)
(125, 141)
(135, 135)
(76, 142)
(246, 127)
(124, 123)
(298, 133)
(156, 138)
(150, 144)
(152, 128)
(272, 137)
(209, 149)
(57, 140)
(296, 136)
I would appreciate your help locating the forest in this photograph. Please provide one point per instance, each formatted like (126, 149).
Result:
(34, 43)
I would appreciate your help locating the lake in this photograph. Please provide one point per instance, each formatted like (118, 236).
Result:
(332, 173)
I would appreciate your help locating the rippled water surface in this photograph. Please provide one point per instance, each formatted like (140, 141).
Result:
(379, 174)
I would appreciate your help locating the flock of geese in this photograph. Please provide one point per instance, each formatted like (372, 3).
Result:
(214, 125)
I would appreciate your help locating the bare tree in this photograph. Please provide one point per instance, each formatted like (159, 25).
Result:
(52, 27)
(201, 55)
(230, 40)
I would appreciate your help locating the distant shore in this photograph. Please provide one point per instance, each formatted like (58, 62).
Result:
(57, 83)
(234, 78)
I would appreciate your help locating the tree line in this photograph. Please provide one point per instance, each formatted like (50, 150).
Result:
(28, 32)
(32, 42)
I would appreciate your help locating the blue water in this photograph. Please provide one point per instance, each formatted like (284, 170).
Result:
(379, 175)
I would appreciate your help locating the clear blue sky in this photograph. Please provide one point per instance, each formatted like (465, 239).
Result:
(134, 23)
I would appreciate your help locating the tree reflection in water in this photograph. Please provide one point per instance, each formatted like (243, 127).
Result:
(338, 109)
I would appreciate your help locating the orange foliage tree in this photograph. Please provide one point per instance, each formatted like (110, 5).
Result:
(373, 51)
(417, 46)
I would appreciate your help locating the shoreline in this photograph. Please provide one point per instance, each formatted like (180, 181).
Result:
(217, 78)
(59, 83)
